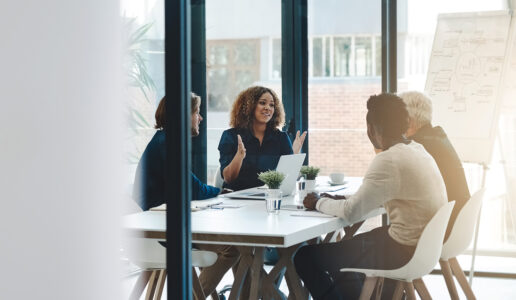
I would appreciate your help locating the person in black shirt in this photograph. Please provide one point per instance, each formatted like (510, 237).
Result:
(255, 142)
(436, 142)
(149, 183)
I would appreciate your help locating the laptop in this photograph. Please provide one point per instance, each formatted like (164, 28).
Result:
(290, 165)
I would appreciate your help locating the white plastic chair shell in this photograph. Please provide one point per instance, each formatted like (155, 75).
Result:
(463, 228)
(149, 254)
(426, 255)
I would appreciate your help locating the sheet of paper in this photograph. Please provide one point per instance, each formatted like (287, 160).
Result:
(314, 214)
(224, 205)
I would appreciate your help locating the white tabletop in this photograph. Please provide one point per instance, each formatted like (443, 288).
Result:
(249, 224)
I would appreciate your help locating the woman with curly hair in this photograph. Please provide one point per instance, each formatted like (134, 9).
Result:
(255, 142)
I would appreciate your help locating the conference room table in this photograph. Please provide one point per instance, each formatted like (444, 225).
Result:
(247, 225)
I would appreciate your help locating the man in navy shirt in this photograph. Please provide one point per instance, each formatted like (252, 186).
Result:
(149, 191)
(149, 184)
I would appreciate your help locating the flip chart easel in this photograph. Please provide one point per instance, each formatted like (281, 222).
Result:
(464, 80)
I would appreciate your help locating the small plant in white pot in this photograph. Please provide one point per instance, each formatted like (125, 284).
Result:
(273, 180)
(310, 173)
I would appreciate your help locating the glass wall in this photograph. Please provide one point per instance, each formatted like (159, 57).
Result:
(144, 65)
(344, 70)
(417, 22)
(243, 48)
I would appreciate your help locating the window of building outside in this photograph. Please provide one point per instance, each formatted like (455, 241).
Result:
(417, 22)
(243, 49)
(344, 70)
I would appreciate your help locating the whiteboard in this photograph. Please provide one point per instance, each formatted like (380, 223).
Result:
(464, 79)
(509, 80)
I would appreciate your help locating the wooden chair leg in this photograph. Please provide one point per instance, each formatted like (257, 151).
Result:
(161, 284)
(214, 295)
(368, 288)
(151, 287)
(379, 288)
(461, 278)
(197, 288)
(409, 289)
(448, 278)
(140, 284)
(398, 291)
(421, 289)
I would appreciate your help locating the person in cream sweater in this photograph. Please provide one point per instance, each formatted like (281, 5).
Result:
(404, 179)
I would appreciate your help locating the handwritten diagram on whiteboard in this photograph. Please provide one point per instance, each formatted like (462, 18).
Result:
(465, 72)
(509, 80)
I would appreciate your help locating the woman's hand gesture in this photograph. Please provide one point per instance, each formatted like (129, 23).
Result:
(298, 142)
(241, 148)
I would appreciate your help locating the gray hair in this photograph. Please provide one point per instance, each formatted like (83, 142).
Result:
(419, 107)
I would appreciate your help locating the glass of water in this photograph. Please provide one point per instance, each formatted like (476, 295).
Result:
(273, 201)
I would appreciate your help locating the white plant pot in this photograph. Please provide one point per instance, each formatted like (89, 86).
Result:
(310, 185)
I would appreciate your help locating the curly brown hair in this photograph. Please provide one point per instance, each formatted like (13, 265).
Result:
(242, 113)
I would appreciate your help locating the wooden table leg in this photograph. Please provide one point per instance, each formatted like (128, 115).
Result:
(246, 259)
(256, 270)
(351, 230)
(198, 292)
(295, 287)
(328, 237)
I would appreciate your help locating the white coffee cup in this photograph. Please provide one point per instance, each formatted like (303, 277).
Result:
(337, 177)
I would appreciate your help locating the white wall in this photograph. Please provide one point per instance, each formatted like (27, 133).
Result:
(60, 125)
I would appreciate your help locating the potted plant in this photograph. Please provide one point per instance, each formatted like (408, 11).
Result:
(310, 173)
(273, 180)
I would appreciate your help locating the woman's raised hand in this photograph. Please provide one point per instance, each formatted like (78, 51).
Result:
(298, 142)
(241, 148)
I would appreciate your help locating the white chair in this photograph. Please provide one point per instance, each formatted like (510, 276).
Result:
(150, 256)
(426, 255)
(218, 180)
(458, 241)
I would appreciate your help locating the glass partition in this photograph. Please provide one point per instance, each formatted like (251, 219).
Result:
(243, 48)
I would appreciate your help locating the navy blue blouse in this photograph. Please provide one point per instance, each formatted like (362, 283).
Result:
(257, 159)
(149, 184)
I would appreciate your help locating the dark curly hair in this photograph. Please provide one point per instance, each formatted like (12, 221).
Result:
(388, 114)
(242, 113)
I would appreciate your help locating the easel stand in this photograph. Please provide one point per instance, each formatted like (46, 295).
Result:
(473, 254)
